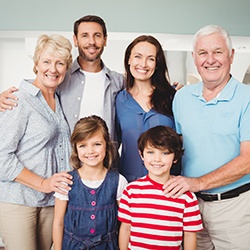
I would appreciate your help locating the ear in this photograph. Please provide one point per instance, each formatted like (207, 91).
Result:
(75, 40)
(174, 161)
(232, 56)
(129, 61)
(35, 67)
(193, 55)
(105, 41)
(141, 155)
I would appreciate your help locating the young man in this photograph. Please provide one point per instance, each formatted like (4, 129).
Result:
(89, 87)
(213, 117)
(150, 220)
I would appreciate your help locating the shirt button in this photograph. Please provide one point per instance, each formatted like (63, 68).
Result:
(79, 98)
(82, 82)
(92, 191)
(75, 115)
(93, 203)
(92, 217)
(92, 230)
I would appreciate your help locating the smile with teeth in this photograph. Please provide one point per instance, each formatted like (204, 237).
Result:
(91, 157)
(142, 71)
(92, 49)
(212, 68)
(156, 165)
(52, 77)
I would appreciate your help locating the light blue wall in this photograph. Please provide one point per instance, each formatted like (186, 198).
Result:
(147, 16)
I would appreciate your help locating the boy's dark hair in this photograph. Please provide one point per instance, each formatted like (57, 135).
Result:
(161, 137)
(90, 18)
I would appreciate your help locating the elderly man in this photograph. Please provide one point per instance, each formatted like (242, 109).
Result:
(213, 118)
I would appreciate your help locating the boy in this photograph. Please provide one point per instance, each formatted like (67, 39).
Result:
(149, 219)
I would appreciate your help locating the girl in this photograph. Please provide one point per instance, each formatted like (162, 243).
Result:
(87, 217)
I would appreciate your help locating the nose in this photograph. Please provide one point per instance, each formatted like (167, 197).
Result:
(143, 62)
(157, 157)
(53, 67)
(91, 40)
(90, 149)
(210, 58)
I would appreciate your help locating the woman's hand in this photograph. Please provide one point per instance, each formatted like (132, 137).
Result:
(58, 182)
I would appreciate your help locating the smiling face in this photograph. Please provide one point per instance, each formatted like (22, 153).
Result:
(142, 61)
(158, 162)
(212, 59)
(90, 41)
(50, 71)
(91, 152)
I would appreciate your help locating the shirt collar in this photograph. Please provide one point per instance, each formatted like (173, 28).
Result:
(76, 66)
(225, 95)
(29, 87)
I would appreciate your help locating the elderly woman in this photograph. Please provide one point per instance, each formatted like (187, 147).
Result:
(34, 151)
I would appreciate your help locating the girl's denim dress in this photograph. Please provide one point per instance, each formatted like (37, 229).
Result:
(91, 218)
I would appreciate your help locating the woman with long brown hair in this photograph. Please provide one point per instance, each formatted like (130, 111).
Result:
(146, 102)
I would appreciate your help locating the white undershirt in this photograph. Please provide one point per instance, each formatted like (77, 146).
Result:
(95, 184)
(93, 94)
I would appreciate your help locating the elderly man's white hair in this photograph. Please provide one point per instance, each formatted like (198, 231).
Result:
(211, 29)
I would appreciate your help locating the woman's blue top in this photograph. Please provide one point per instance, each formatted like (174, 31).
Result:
(132, 120)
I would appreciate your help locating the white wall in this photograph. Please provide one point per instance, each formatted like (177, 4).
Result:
(16, 50)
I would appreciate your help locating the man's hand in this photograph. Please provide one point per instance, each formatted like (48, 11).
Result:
(178, 185)
(8, 99)
(177, 85)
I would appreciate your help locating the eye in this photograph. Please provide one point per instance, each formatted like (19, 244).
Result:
(152, 59)
(165, 153)
(61, 63)
(98, 35)
(201, 53)
(137, 56)
(218, 52)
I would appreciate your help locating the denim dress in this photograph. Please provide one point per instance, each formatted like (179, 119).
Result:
(91, 218)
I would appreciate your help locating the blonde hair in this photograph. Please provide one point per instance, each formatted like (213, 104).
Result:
(84, 129)
(56, 45)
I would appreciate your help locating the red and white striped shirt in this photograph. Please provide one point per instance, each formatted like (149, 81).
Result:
(157, 222)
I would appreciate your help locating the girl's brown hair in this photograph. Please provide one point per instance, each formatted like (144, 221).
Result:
(84, 129)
